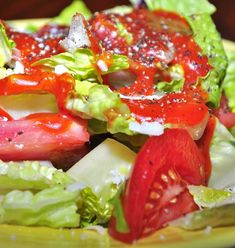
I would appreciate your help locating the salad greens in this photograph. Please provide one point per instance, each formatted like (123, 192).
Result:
(65, 17)
(229, 81)
(98, 101)
(206, 197)
(33, 194)
(184, 7)
(30, 175)
(205, 34)
(197, 13)
(6, 46)
(222, 154)
(91, 99)
(214, 217)
(54, 207)
(81, 64)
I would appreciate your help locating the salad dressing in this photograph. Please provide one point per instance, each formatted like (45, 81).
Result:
(154, 41)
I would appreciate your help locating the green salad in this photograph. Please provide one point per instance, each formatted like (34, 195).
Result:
(122, 119)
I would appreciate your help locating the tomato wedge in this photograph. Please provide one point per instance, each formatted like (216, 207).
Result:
(156, 192)
(41, 136)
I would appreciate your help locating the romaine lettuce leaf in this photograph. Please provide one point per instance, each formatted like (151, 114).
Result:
(206, 197)
(30, 175)
(122, 9)
(118, 213)
(81, 64)
(210, 217)
(54, 207)
(91, 209)
(222, 154)
(65, 17)
(114, 169)
(173, 86)
(6, 46)
(122, 31)
(209, 40)
(90, 99)
(229, 81)
(98, 101)
(184, 7)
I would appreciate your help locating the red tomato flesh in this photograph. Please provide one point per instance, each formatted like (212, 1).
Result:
(156, 192)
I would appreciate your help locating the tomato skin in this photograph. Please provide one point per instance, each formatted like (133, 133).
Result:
(40, 136)
(204, 145)
(164, 167)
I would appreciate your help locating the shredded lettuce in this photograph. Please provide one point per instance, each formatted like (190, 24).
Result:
(30, 175)
(65, 17)
(229, 81)
(6, 46)
(54, 207)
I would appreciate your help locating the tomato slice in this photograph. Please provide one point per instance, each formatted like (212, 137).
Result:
(41, 136)
(156, 192)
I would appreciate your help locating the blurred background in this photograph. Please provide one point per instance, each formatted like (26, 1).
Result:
(21, 9)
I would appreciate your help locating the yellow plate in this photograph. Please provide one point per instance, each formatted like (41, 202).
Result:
(42, 237)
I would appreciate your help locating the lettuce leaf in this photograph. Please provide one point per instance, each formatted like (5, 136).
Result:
(91, 210)
(97, 101)
(197, 13)
(54, 207)
(90, 99)
(118, 213)
(65, 17)
(30, 175)
(81, 64)
(206, 197)
(122, 9)
(173, 86)
(209, 40)
(229, 81)
(210, 217)
(6, 46)
(184, 7)
(114, 169)
(222, 154)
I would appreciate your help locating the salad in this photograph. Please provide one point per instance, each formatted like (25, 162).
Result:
(121, 119)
